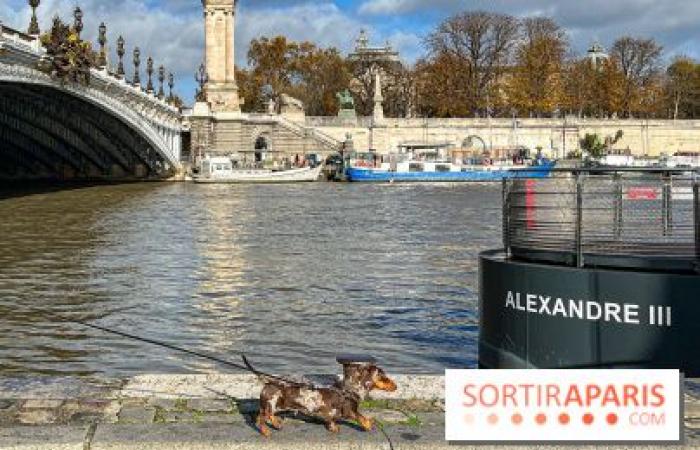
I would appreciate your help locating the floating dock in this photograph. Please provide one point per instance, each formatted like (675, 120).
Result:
(600, 269)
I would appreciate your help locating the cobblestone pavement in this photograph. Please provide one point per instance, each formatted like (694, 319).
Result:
(115, 421)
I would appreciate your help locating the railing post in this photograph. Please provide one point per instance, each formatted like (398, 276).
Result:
(617, 206)
(666, 203)
(506, 216)
(579, 220)
(696, 209)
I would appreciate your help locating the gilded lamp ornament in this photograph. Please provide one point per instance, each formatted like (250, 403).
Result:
(69, 57)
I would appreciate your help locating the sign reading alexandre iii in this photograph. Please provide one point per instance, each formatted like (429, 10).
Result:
(612, 312)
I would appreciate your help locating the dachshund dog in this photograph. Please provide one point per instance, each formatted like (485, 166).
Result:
(331, 404)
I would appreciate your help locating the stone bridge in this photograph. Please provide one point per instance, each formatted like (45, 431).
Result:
(53, 129)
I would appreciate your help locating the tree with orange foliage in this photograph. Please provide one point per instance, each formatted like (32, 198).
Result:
(536, 86)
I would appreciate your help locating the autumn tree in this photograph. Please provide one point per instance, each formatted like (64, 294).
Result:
(437, 94)
(479, 46)
(300, 69)
(250, 88)
(579, 87)
(638, 60)
(318, 75)
(536, 86)
(682, 87)
(270, 62)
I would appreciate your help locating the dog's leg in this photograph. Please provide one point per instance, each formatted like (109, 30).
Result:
(332, 426)
(276, 422)
(263, 417)
(366, 423)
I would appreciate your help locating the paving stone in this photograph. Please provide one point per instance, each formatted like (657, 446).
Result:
(137, 415)
(42, 438)
(7, 404)
(210, 405)
(387, 416)
(692, 410)
(182, 417)
(88, 411)
(41, 404)
(134, 401)
(222, 418)
(164, 403)
(37, 416)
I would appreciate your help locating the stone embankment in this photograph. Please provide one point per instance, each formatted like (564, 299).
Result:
(194, 412)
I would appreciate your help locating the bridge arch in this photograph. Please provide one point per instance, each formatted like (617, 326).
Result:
(65, 130)
(469, 142)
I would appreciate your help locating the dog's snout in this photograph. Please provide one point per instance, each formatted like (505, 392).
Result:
(387, 384)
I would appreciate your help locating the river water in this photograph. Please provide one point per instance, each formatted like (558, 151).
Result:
(288, 274)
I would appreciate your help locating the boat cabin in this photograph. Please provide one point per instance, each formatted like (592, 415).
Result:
(216, 167)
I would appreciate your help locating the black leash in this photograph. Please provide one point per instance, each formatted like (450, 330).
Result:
(246, 366)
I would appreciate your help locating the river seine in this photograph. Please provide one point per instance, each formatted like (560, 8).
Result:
(288, 274)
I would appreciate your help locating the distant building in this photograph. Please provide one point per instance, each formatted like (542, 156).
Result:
(596, 54)
(367, 54)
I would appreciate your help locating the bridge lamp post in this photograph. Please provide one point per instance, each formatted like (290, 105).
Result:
(161, 79)
(78, 24)
(102, 39)
(171, 85)
(137, 63)
(34, 23)
(149, 72)
(120, 54)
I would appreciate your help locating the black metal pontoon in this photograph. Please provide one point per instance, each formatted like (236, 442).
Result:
(600, 268)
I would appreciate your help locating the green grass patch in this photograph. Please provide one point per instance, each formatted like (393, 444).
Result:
(412, 421)
(180, 405)
(375, 404)
(159, 416)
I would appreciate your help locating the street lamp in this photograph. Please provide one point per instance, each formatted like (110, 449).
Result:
(34, 23)
(120, 54)
(137, 63)
(102, 39)
(149, 71)
(161, 79)
(78, 23)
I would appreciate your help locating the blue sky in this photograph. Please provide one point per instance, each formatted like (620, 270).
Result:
(172, 30)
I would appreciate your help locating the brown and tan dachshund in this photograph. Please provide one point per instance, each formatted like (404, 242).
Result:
(330, 404)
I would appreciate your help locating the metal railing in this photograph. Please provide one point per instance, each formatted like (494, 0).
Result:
(635, 218)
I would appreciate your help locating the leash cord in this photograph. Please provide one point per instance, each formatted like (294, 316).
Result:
(247, 367)
(380, 427)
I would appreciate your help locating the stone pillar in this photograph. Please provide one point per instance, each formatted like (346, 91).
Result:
(231, 45)
(378, 112)
(221, 89)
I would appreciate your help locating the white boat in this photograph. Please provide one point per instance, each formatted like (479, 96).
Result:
(221, 170)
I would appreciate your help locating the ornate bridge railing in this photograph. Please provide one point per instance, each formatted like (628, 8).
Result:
(158, 122)
(626, 218)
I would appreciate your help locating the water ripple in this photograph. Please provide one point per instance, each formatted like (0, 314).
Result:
(290, 275)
